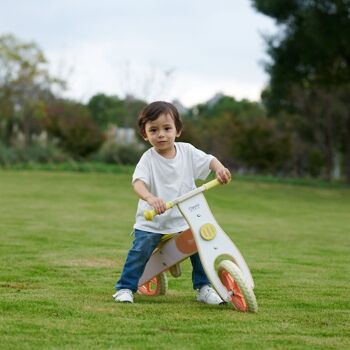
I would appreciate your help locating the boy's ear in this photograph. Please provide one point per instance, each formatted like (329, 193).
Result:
(178, 134)
(143, 135)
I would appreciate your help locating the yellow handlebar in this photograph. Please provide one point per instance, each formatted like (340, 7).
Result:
(150, 214)
(211, 184)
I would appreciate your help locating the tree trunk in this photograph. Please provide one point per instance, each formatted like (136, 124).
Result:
(347, 150)
(327, 138)
(329, 151)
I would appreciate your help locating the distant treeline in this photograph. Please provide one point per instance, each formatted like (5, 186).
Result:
(301, 128)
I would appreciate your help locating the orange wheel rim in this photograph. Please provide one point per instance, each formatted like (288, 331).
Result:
(150, 288)
(237, 298)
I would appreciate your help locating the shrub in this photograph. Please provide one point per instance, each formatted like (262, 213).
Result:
(315, 162)
(71, 125)
(34, 153)
(7, 155)
(113, 153)
(262, 147)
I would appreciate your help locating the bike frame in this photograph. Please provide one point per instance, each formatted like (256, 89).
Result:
(205, 236)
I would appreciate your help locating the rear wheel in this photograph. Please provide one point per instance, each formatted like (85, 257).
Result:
(156, 286)
(242, 296)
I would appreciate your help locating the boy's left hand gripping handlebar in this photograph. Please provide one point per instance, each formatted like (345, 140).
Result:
(150, 214)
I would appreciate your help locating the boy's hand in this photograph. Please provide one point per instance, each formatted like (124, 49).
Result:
(223, 175)
(157, 203)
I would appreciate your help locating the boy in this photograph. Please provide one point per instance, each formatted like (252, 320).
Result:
(166, 171)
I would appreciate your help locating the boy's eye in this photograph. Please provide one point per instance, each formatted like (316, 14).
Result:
(168, 128)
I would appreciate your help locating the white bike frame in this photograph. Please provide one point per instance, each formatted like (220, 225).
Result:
(205, 236)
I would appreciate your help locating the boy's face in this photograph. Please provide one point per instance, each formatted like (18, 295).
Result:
(161, 133)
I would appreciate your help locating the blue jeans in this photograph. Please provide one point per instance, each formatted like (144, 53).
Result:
(142, 248)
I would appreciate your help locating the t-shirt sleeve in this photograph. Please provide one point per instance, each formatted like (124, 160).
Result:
(142, 171)
(201, 162)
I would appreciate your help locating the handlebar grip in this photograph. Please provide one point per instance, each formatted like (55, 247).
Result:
(211, 184)
(150, 214)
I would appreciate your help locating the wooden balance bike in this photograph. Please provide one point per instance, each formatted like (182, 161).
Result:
(223, 264)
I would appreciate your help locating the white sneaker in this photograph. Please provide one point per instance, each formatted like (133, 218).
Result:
(208, 295)
(124, 296)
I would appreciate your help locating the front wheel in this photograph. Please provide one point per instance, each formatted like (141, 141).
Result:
(242, 296)
(158, 285)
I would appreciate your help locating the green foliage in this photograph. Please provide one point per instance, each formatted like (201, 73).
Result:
(73, 166)
(315, 162)
(113, 153)
(311, 47)
(25, 85)
(133, 107)
(240, 135)
(307, 103)
(261, 147)
(309, 69)
(8, 155)
(71, 125)
(106, 110)
(33, 153)
(227, 105)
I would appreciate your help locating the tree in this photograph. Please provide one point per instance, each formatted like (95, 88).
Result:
(25, 84)
(106, 110)
(239, 133)
(310, 56)
(71, 126)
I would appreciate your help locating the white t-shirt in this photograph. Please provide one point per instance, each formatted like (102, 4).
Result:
(169, 179)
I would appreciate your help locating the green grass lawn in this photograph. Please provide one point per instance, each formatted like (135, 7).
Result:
(64, 237)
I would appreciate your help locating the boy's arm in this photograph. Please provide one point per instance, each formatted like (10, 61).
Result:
(142, 191)
(222, 173)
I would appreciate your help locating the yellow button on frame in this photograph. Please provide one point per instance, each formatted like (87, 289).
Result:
(207, 231)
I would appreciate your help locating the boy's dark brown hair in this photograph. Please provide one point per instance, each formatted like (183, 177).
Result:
(152, 111)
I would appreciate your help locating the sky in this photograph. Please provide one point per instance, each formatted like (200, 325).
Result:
(187, 50)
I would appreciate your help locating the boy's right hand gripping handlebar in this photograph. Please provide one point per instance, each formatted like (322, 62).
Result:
(150, 214)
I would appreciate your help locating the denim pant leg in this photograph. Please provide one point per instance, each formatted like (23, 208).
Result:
(140, 252)
(199, 278)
